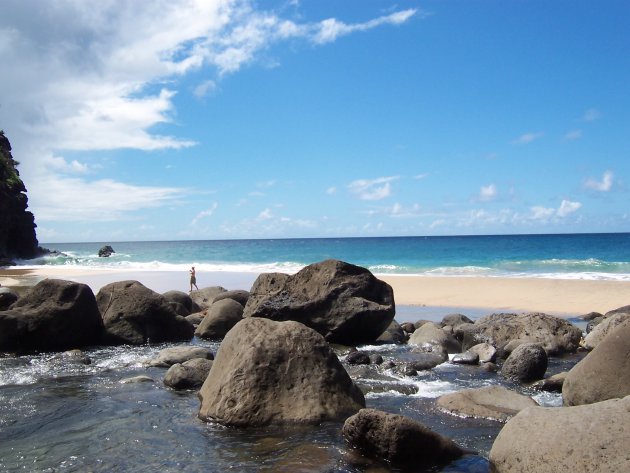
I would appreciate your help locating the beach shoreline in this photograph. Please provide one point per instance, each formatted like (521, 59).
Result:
(478, 294)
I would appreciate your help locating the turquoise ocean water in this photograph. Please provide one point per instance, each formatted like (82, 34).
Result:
(567, 256)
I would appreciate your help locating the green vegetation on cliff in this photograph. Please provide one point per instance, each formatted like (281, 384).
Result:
(17, 225)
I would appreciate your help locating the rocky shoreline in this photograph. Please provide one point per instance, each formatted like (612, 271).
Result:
(275, 364)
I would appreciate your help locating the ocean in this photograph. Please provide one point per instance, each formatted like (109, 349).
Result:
(566, 256)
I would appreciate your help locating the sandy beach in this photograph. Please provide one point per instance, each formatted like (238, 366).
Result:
(563, 297)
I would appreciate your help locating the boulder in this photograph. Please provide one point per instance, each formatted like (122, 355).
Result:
(196, 318)
(607, 325)
(582, 439)
(268, 372)
(7, 297)
(204, 297)
(528, 362)
(181, 298)
(343, 302)
(433, 334)
(556, 335)
(221, 317)
(170, 356)
(399, 440)
(105, 252)
(602, 374)
(490, 402)
(408, 327)
(134, 314)
(552, 384)
(393, 334)
(426, 357)
(238, 295)
(467, 358)
(188, 375)
(358, 358)
(455, 320)
(487, 353)
(53, 315)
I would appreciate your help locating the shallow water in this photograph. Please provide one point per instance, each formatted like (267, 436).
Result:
(58, 415)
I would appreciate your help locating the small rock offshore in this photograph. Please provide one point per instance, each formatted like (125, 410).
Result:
(304, 372)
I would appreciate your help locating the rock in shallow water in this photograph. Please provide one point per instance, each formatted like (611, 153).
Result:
(268, 372)
(492, 402)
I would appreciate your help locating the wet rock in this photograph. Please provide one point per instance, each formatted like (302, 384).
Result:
(134, 314)
(343, 302)
(528, 362)
(552, 384)
(556, 335)
(408, 327)
(433, 334)
(491, 402)
(7, 297)
(137, 379)
(602, 374)
(466, 358)
(376, 359)
(106, 251)
(582, 439)
(188, 375)
(173, 355)
(53, 315)
(221, 317)
(486, 352)
(268, 372)
(76, 356)
(398, 440)
(393, 334)
(358, 358)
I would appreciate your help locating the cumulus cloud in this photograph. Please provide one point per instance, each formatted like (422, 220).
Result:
(527, 138)
(488, 193)
(604, 185)
(566, 208)
(372, 189)
(101, 75)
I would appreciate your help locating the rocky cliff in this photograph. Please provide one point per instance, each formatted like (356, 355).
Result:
(17, 225)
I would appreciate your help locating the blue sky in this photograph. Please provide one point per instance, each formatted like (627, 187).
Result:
(183, 119)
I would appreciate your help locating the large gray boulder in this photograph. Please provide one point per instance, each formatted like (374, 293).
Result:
(490, 402)
(582, 439)
(170, 356)
(399, 440)
(268, 372)
(182, 302)
(602, 374)
(607, 325)
(238, 295)
(433, 334)
(528, 362)
(134, 314)
(54, 315)
(343, 302)
(221, 317)
(556, 335)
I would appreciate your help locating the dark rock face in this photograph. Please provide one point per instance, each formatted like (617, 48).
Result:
(557, 336)
(221, 317)
(188, 375)
(358, 358)
(528, 362)
(7, 297)
(491, 402)
(393, 334)
(604, 373)
(343, 302)
(54, 315)
(17, 225)
(398, 440)
(106, 251)
(582, 439)
(180, 297)
(134, 314)
(268, 372)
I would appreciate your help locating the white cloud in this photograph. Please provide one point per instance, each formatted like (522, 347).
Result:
(573, 135)
(566, 208)
(591, 115)
(205, 213)
(101, 75)
(604, 185)
(420, 176)
(266, 214)
(372, 189)
(527, 138)
(488, 193)
(331, 190)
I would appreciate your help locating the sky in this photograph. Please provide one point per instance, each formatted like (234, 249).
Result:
(223, 119)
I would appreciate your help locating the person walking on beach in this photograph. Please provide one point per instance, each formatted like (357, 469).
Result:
(193, 279)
